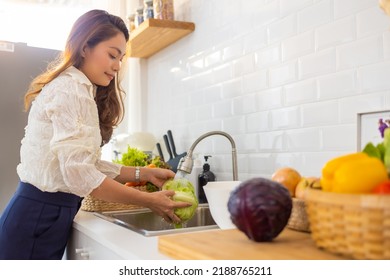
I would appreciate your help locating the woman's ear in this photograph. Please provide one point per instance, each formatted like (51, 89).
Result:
(84, 51)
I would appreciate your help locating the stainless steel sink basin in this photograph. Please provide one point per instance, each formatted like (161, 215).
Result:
(147, 223)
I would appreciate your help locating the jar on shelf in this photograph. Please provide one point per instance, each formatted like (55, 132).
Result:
(139, 16)
(131, 20)
(148, 10)
(163, 9)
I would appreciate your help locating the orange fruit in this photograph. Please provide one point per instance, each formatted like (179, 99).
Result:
(288, 177)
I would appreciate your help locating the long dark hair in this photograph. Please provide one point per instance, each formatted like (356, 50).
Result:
(89, 30)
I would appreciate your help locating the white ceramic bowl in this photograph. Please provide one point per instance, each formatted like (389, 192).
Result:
(217, 194)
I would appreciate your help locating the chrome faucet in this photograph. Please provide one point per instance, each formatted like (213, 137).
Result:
(186, 163)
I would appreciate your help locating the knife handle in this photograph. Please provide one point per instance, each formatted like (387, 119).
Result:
(160, 152)
(172, 143)
(168, 146)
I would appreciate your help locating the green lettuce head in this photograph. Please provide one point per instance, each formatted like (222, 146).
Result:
(184, 192)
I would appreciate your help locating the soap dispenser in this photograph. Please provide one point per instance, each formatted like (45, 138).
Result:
(204, 177)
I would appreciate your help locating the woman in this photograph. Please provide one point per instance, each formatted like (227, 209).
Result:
(74, 107)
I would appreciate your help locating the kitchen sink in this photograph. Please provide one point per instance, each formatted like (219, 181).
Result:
(145, 222)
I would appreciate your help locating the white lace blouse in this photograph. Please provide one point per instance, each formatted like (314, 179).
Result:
(61, 147)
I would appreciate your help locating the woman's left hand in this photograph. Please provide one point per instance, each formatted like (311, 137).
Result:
(156, 176)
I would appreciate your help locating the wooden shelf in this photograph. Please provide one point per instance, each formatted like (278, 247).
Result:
(153, 35)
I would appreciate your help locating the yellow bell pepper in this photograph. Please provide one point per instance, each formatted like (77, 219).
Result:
(353, 173)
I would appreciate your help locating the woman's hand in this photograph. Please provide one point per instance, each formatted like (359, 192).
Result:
(156, 176)
(161, 203)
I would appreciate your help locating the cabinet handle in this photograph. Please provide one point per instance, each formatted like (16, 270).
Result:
(84, 254)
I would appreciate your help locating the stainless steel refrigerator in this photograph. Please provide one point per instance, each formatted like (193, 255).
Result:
(19, 64)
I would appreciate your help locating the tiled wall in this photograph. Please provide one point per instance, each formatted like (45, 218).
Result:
(286, 78)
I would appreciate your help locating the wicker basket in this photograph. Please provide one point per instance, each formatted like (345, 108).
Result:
(92, 204)
(356, 226)
(299, 220)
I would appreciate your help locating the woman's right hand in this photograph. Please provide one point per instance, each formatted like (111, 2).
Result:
(161, 203)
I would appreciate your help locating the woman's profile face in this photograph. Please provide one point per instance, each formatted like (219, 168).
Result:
(102, 62)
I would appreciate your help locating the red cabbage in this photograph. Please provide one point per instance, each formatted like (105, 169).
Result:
(260, 208)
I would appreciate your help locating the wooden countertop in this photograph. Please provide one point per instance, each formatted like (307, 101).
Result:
(232, 244)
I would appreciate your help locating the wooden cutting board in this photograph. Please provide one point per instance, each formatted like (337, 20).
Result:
(232, 244)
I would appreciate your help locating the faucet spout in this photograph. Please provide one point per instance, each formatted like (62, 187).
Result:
(186, 163)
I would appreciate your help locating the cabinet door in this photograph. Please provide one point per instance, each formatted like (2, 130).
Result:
(82, 247)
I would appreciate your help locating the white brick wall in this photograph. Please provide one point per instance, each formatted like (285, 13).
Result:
(285, 78)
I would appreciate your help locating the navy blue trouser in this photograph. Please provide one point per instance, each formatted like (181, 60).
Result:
(36, 225)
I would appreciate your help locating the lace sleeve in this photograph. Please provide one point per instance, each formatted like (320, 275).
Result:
(110, 169)
(76, 137)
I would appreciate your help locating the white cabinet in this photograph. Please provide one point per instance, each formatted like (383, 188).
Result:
(94, 238)
(82, 247)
